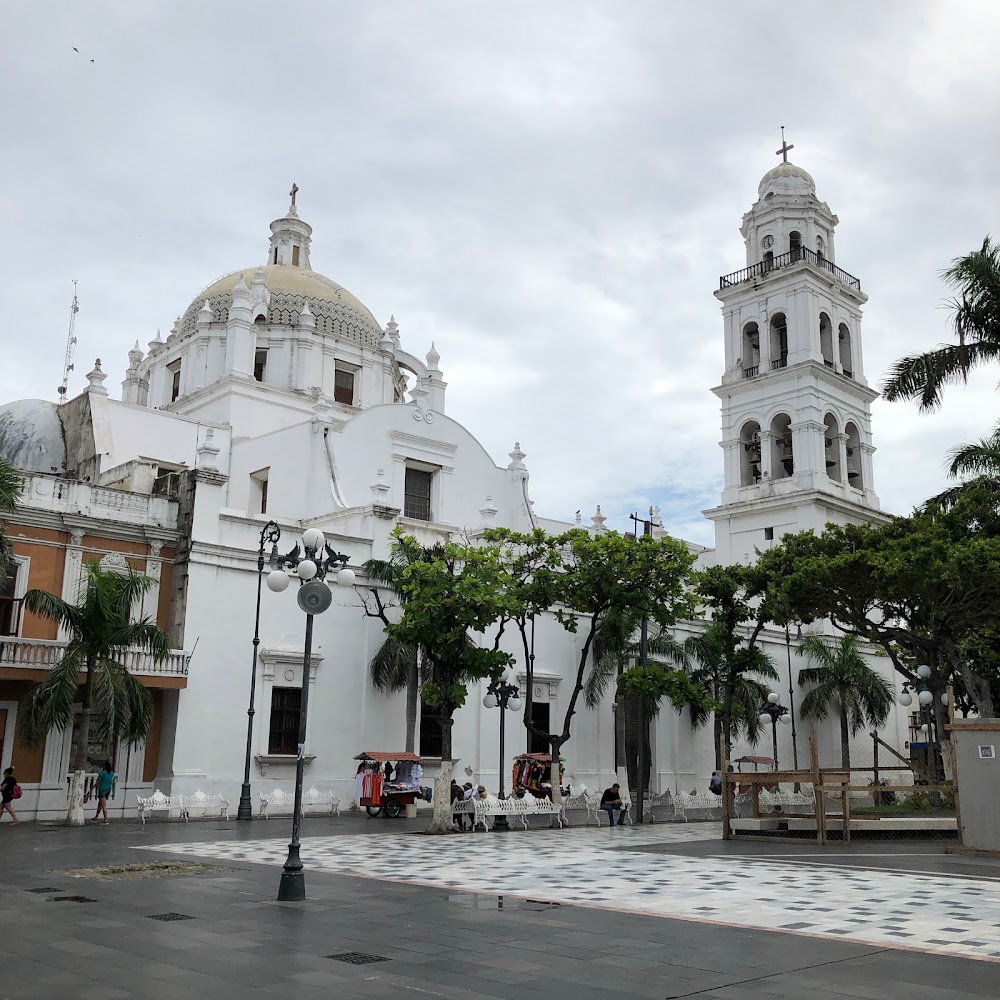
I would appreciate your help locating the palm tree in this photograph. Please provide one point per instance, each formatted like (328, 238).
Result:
(11, 485)
(843, 682)
(616, 648)
(976, 319)
(395, 665)
(730, 684)
(977, 458)
(101, 631)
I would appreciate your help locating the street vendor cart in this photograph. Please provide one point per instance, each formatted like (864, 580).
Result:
(532, 775)
(386, 782)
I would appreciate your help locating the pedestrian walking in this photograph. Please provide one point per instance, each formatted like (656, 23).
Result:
(9, 790)
(105, 783)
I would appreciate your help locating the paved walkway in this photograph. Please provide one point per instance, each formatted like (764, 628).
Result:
(581, 912)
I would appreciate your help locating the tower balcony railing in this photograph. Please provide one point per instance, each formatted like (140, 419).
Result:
(785, 260)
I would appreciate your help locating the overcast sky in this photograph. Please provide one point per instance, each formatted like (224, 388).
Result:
(549, 191)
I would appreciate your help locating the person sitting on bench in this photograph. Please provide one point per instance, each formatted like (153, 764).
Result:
(611, 802)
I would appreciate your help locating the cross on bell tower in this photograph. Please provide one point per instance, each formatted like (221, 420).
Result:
(294, 191)
(783, 152)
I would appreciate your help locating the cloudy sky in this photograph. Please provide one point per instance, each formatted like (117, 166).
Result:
(549, 191)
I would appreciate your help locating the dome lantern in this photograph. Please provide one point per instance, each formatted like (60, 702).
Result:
(290, 238)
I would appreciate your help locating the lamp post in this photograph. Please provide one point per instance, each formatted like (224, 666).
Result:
(503, 694)
(270, 534)
(774, 712)
(311, 568)
(925, 685)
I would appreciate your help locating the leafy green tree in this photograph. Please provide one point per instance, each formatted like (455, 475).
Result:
(737, 600)
(976, 320)
(395, 666)
(11, 485)
(101, 631)
(841, 681)
(460, 591)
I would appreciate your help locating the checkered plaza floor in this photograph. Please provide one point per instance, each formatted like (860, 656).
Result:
(953, 915)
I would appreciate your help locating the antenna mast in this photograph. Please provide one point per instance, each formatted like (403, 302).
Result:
(70, 345)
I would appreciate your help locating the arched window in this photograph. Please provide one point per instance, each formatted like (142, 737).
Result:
(750, 457)
(844, 338)
(750, 350)
(854, 466)
(820, 248)
(826, 339)
(832, 449)
(779, 341)
(768, 260)
(795, 244)
(783, 461)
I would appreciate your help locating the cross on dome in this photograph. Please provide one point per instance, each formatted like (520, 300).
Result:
(294, 191)
(785, 147)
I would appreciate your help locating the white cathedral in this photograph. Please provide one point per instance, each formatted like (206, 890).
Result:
(278, 396)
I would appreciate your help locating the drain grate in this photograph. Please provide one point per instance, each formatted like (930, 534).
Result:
(357, 958)
(169, 916)
(45, 888)
(71, 899)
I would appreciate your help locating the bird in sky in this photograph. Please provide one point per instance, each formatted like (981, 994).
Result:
(76, 50)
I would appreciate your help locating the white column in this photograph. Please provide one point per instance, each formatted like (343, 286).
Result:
(151, 599)
(842, 453)
(766, 454)
(72, 574)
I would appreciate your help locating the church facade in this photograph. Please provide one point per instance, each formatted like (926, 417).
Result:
(278, 397)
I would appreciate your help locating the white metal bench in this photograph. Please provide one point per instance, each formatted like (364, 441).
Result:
(775, 801)
(584, 800)
(204, 804)
(160, 803)
(687, 802)
(519, 808)
(283, 802)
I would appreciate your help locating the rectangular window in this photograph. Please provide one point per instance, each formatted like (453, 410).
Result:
(417, 494)
(174, 374)
(769, 534)
(343, 386)
(260, 365)
(295, 256)
(540, 717)
(286, 709)
(258, 492)
(430, 731)
(10, 604)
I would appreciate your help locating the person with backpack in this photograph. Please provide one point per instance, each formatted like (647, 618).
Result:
(105, 783)
(9, 790)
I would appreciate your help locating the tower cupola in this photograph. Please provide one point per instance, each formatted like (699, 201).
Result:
(290, 238)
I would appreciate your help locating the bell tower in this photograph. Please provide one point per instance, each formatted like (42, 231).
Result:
(796, 406)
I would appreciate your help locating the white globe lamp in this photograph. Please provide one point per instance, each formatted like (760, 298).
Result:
(345, 578)
(764, 718)
(490, 701)
(923, 671)
(514, 704)
(905, 699)
(786, 719)
(925, 698)
(774, 698)
(306, 569)
(277, 581)
(313, 538)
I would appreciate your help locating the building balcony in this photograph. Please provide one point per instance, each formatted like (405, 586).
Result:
(800, 256)
(43, 654)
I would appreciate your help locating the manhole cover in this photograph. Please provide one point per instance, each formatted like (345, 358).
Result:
(170, 916)
(45, 888)
(72, 899)
(357, 958)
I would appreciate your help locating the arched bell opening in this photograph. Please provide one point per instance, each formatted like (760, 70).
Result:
(795, 244)
(831, 449)
(826, 340)
(844, 341)
(855, 473)
(779, 341)
(750, 454)
(783, 462)
(750, 350)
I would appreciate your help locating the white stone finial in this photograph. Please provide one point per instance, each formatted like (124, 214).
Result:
(598, 520)
(433, 358)
(488, 512)
(135, 356)
(156, 343)
(516, 457)
(380, 488)
(386, 343)
(578, 521)
(174, 329)
(205, 314)
(208, 451)
(307, 318)
(392, 329)
(96, 379)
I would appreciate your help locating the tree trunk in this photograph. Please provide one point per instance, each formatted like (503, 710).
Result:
(441, 821)
(412, 697)
(556, 751)
(845, 740)
(717, 740)
(74, 814)
(620, 711)
(632, 737)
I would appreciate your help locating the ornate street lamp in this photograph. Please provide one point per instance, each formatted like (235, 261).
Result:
(503, 694)
(925, 686)
(314, 597)
(774, 712)
(270, 535)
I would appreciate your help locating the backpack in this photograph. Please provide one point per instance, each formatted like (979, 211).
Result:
(17, 791)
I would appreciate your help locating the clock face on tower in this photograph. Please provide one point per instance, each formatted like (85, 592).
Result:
(767, 242)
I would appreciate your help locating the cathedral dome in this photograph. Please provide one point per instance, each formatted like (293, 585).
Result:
(31, 436)
(786, 178)
(338, 313)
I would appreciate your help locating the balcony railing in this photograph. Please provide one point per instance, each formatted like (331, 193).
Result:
(751, 372)
(43, 654)
(786, 259)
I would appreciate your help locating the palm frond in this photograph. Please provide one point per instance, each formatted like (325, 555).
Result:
(976, 458)
(11, 486)
(603, 672)
(55, 609)
(143, 634)
(50, 703)
(947, 499)
(390, 667)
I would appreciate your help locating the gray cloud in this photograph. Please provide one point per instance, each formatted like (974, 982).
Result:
(549, 192)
